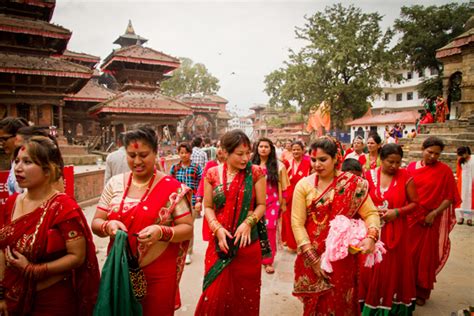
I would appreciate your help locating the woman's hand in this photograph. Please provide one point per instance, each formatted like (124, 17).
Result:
(367, 245)
(149, 235)
(242, 234)
(429, 219)
(16, 259)
(3, 308)
(320, 273)
(283, 207)
(197, 208)
(388, 215)
(114, 225)
(221, 235)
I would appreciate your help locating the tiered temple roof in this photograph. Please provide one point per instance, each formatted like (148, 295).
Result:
(142, 102)
(92, 92)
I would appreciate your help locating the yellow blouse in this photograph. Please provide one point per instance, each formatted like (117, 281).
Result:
(305, 193)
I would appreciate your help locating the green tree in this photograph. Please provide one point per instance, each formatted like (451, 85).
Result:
(422, 31)
(190, 78)
(345, 55)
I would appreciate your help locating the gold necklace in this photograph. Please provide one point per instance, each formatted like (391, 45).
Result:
(141, 185)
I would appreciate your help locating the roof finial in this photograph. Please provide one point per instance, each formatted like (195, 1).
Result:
(130, 29)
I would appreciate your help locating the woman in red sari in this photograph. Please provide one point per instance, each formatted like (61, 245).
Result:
(390, 284)
(154, 209)
(432, 222)
(372, 158)
(234, 201)
(317, 199)
(297, 168)
(47, 263)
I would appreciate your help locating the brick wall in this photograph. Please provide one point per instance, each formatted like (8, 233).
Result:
(88, 186)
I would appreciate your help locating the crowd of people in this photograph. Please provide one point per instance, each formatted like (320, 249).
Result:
(387, 259)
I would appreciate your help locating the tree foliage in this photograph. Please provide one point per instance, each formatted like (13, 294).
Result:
(423, 30)
(345, 55)
(190, 79)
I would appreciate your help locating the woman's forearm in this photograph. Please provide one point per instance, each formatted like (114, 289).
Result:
(182, 232)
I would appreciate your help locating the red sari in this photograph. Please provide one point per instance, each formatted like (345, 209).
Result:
(390, 284)
(295, 174)
(340, 297)
(232, 286)
(430, 245)
(31, 235)
(163, 273)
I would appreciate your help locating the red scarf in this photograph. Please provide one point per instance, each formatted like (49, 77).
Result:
(29, 235)
(394, 197)
(350, 192)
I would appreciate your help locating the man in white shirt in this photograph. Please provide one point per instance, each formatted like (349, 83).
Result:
(116, 162)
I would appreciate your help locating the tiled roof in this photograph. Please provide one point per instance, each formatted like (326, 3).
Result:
(92, 92)
(33, 27)
(454, 47)
(140, 54)
(405, 117)
(223, 115)
(43, 66)
(68, 54)
(205, 99)
(142, 102)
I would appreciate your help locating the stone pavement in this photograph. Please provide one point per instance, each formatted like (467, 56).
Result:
(453, 291)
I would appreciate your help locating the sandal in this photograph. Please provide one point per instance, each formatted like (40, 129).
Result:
(461, 221)
(269, 269)
(469, 222)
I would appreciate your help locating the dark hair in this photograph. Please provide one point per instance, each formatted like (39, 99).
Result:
(351, 164)
(11, 125)
(272, 162)
(207, 141)
(391, 149)
(376, 137)
(462, 151)
(185, 146)
(197, 142)
(433, 141)
(232, 139)
(299, 143)
(145, 134)
(327, 145)
(29, 131)
(44, 153)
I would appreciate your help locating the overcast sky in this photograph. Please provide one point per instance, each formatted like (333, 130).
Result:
(248, 38)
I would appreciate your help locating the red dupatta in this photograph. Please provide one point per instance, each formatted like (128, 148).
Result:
(344, 196)
(295, 174)
(394, 197)
(434, 184)
(29, 235)
(156, 208)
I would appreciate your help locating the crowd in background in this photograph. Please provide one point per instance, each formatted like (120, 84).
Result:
(368, 235)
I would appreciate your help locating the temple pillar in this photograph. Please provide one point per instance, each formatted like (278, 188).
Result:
(60, 114)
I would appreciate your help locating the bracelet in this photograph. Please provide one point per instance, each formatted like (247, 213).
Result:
(251, 220)
(103, 227)
(167, 233)
(216, 228)
(397, 213)
(373, 234)
(310, 256)
(35, 271)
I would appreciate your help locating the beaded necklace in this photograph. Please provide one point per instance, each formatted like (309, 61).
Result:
(125, 192)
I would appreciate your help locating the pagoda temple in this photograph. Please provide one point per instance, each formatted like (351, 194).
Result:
(34, 78)
(138, 71)
(209, 116)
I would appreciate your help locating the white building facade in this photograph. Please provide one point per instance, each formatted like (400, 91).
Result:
(402, 96)
(243, 123)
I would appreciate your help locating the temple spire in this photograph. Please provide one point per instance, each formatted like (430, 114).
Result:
(130, 29)
(130, 37)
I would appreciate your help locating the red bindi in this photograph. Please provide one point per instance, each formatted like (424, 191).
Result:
(22, 148)
(314, 152)
(135, 145)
